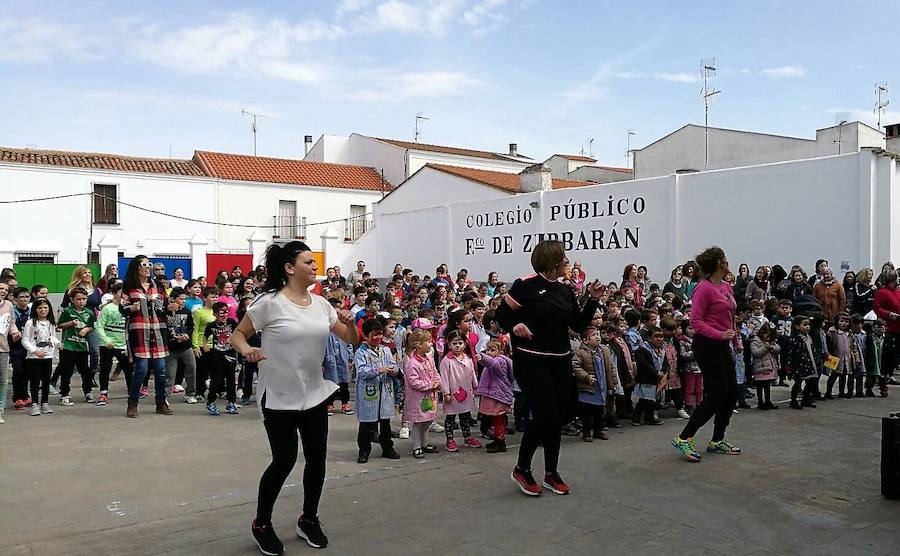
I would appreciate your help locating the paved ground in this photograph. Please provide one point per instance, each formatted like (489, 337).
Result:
(86, 480)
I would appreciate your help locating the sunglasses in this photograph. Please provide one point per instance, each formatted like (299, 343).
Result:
(146, 265)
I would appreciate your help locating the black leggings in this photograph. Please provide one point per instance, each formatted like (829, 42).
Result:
(807, 386)
(763, 392)
(38, 371)
(343, 393)
(547, 387)
(719, 387)
(282, 428)
(106, 360)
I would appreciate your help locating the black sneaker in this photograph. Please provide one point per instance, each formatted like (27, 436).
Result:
(310, 530)
(266, 539)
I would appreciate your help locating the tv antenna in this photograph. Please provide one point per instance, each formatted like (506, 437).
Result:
(253, 116)
(840, 119)
(880, 105)
(591, 147)
(629, 133)
(419, 116)
(708, 71)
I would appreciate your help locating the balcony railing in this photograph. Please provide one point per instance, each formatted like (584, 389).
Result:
(355, 227)
(290, 227)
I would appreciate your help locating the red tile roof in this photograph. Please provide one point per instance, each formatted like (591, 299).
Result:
(577, 157)
(449, 150)
(284, 170)
(506, 181)
(101, 161)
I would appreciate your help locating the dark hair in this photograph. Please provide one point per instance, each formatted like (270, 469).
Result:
(278, 256)
(651, 330)
(856, 318)
(78, 290)
(210, 290)
(609, 327)
(218, 306)
(709, 259)
(371, 325)
(191, 283)
(668, 323)
(489, 318)
(588, 331)
(453, 321)
(455, 335)
(879, 322)
(334, 301)
(841, 315)
(116, 287)
(177, 268)
(547, 255)
(37, 303)
(685, 324)
(766, 330)
(632, 317)
(19, 291)
(647, 313)
(742, 307)
(242, 306)
(358, 290)
(176, 291)
(800, 320)
(132, 280)
(785, 303)
(36, 288)
(677, 303)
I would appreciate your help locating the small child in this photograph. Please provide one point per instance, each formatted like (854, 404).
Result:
(855, 384)
(423, 387)
(800, 362)
(375, 367)
(111, 332)
(459, 384)
(652, 367)
(76, 322)
(741, 355)
(693, 380)
(40, 341)
(180, 324)
(765, 350)
(820, 347)
(757, 317)
(842, 346)
(337, 368)
(221, 358)
(496, 391)
(594, 375)
(674, 391)
(202, 317)
(784, 328)
(879, 353)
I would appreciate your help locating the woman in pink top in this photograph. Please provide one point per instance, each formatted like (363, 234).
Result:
(715, 344)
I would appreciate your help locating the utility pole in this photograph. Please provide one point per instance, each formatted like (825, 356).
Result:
(253, 116)
(419, 116)
(708, 69)
(628, 148)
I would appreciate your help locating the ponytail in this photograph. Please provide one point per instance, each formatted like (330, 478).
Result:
(276, 257)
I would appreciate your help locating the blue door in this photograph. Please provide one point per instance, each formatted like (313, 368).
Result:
(171, 263)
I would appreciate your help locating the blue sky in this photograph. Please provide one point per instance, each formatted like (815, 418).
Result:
(140, 78)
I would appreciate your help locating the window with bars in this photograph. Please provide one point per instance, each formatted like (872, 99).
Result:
(35, 258)
(105, 205)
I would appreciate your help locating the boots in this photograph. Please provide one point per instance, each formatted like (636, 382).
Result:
(162, 408)
(132, 408)
(495, 446)
(882, 386)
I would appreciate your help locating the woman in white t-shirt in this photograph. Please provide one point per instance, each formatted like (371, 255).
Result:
(291, 391)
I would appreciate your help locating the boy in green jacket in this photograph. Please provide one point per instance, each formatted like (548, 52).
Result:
(76, 322)
(111, 331)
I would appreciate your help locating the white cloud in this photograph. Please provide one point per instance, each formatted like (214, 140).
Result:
(784, 71)
(351, 6)
(28, 40)
(430, 17)
(382, 86)
(485, 16)
(592, 88)
(681, 77)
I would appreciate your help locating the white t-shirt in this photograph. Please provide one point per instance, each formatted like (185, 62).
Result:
(293, 341)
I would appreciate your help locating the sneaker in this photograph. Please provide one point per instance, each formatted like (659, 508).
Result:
(27, 402)
(88, 398)
(346, 409)
(554, 483)
(265, 538)
(329, 409)
(102, 399)
(472, 442)
(682, 414)
(53, 390)
(190, 399)
(525, 481)
(213, 410)
(434, 427)
(418, 453)
(404, 433)
(722, 447)
(686, 447)
(66, 401)
(310, 530)
(390, 453)
(231, 408)
(495, 447)
(45, 408)
(245, 401)
(19, 405)
(431, 449)
(451, 446)
(35, 410)
(178, 389)
(144, 392)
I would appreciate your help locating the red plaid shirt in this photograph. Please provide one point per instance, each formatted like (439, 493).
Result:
(147, 331)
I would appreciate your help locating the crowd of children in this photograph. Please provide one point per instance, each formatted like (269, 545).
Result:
(433, 346)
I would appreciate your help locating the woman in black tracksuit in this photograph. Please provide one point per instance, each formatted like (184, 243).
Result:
(539, 311)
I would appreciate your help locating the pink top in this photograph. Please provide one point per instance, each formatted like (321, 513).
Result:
(712, 309)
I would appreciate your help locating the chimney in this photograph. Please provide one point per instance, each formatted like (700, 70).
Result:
(513, 149)
(535, 178)
(307, 144)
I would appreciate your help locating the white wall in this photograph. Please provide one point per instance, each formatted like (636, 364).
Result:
(63, 225)
(429, 187)
(599, 175)
(559, 167)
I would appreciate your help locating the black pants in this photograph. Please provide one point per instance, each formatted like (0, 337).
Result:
(38, 371)
(465, 423)
(19, 375)
(520, 414)
(247, 371)
(808, 387)
(367, 430)
(547, 385)
(221, 375)
(282, 428)
(342, 394)
(719, 387)
(840, 379)
(591, 417)
(107, 355)
(68, 362)
(763, 392)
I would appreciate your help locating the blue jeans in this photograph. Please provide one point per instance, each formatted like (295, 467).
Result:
(141, 366)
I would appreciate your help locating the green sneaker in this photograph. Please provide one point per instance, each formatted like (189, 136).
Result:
(722, 447)
(686, 447)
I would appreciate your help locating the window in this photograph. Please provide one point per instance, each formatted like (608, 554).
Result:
(287, 224)
(105, 205)
(356, 225)
(36, 258)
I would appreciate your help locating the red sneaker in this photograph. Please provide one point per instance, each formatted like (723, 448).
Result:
(329, 409)
(28, 402)
(451, 446)
(554, 483)
(472, 442)
(525, 481)
(19, 405)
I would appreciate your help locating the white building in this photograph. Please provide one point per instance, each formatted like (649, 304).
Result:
(399, 160)
(686, 148)
(892, 137)
(585, 168)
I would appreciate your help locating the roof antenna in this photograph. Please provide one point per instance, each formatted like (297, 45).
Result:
(419, 116)
(708, 70)
(253, 115)
(628, 153)
(591, 148)
(839, 120)
(880, 105)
